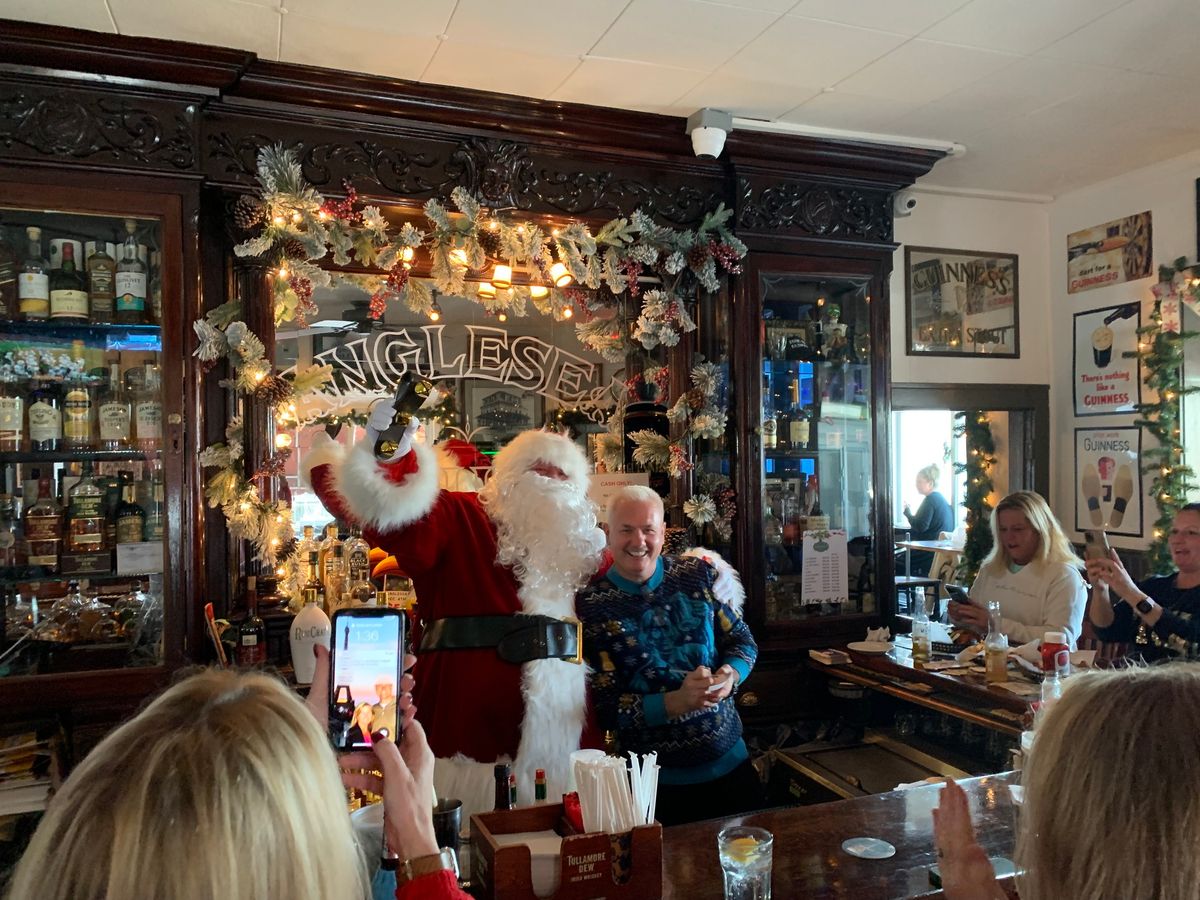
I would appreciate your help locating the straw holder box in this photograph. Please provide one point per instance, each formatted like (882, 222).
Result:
(613, 867)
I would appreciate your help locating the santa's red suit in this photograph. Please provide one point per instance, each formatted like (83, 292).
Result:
(477, 708)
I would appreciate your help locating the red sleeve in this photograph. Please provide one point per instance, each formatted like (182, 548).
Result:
(434, 886)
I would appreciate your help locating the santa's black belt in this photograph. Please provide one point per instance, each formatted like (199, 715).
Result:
(517, 639)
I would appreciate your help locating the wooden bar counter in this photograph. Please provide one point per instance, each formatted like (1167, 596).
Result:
(808, 858)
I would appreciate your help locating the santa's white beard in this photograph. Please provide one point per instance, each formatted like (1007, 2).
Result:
(546, 531)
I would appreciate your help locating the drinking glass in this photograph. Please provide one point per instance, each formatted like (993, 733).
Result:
(746, 862)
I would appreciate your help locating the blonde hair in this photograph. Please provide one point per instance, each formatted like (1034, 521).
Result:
(224, 787)
(1109, 807)
(930, 473)
(1053, 545)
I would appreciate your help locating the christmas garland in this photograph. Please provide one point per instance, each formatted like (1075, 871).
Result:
(981, 449)
(1160, 349)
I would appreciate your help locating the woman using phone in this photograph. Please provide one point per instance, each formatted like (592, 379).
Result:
(1032, 571)
(226, 786)
(1160, 616)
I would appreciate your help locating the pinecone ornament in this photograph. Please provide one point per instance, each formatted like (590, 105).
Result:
(287, 549)
(273, 390)
(490, 241)
(247, 212)
(293, 249)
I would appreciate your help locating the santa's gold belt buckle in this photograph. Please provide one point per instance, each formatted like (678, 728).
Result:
(577, 659)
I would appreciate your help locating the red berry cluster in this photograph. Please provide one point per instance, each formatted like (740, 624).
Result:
(631, 269)
(726, 500)
(344, 209)
(378, 303)
(727, 257)
(679, 459)
(662, 378)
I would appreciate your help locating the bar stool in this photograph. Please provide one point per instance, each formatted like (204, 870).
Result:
(910, 583)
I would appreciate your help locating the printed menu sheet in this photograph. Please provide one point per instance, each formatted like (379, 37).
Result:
(825, 578)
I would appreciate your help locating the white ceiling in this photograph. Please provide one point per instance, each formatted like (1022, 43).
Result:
(1047, 95)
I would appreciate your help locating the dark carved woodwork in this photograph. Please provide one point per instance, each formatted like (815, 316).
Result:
(816, 209)
(101, 127)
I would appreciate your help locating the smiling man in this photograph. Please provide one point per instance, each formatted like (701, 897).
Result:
(666, 655)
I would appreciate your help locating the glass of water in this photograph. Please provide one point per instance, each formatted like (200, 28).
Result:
(746, 862)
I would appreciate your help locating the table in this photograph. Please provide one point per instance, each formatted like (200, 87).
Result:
(808, 857)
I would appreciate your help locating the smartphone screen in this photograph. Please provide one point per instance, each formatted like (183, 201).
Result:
(364, 675)
(957, 593)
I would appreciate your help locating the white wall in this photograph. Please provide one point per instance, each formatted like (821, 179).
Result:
(966, 223)
(1168, 191)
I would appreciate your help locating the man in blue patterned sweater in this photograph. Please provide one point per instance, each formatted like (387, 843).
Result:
(665, 656)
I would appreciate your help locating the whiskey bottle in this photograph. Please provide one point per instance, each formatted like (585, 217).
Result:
(154, 301)
(130, 281)
(43, 528)
(8, 531)
(313, 590)
(358, 560)
(101, 277)
(85, 514)
(331, 538)
(115, 413)
(156, 513)
(45, 416)
(79, 411)
(131, 518)
(147, 412)
(336, 582)
(33, 285)
(12, 413)
(769, 433)
(9, 266)
(798, 426)
(68, 290)
(252, 632)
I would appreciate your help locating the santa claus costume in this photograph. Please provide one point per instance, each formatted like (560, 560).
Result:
(514, 552)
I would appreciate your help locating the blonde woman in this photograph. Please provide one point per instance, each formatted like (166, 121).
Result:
(1032, 570)
(1099, 817)
(932, 517)
(226, 787)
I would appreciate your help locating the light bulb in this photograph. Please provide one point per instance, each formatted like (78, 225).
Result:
(502, 276)
(283, 440)
(406, 257)
(487, 291)
(538, 291)
(296, 217)
(567, 312)
(322, 215)
(283, 272)
(560, 276)
(502, 316)
(435, 312)
(277, 220)
(458, 257)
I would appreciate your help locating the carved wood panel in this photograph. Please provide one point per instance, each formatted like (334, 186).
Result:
(815, 209)
(97, 127)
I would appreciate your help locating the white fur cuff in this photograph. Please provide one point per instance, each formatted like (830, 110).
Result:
(376, 501)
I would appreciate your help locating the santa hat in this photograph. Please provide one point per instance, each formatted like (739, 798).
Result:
(530, 447)
(466, 455)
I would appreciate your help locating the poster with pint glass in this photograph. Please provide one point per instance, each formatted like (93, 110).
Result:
(1111, 253)
(1106, 381)
(1108, 481)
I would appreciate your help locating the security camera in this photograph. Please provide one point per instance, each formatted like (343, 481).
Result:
(903, 203)
(708, 128)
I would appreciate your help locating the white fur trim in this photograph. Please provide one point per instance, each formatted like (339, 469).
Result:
(382, 504)
(728, 586)
(469, 781)
(323, 451)
(528, 447)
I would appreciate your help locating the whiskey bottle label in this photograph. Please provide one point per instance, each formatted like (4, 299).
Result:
(130, 529)
(77, 409)
(114, 422)
(131, 291)
(68, 305)
(45, 422)
(33, 294)
(148, 420)
(43, 528)
(12, 416)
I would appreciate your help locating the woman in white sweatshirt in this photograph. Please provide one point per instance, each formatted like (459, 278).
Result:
(1032, 570)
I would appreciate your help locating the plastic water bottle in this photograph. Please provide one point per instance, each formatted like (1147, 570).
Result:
(921, 646)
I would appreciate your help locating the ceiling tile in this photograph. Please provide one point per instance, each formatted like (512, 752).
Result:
(1017, 26)
(626, 85)
(806, 51)
(571, 30)
(702, 35)
(837, 109)
(910, 17)
(91, 15)
(775, 6)
(1156, 36)
(423, 19)
(501, 69)
(222, 23)
(922, 71)
(1030, 84)
(353, 49)
(742, 97)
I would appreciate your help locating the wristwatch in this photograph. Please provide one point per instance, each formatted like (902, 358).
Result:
(1144, 606)
(426, 865)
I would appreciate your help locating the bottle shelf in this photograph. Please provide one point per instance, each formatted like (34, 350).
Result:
(790, 454)
(39, 575)
(146, 337)
(76, 455)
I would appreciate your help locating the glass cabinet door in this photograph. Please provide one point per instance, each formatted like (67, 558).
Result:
(82, 488)
(816, 444)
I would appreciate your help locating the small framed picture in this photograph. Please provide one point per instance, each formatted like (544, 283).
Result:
(961, 302)
(499, 412)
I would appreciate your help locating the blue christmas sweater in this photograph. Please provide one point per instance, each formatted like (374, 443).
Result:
(641, 641)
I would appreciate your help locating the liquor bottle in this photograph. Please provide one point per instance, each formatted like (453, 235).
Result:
(112, 485)
(115, 414)
(783, 421)
(12, 413)
(311, 625)
(154, 302)
(331, 538)
(130, 281)
(85, 514)
(768, 416)
(156, 512)
(8, 531)
(921, 646)
(252, 632)
(9, 266)
(131, 518)
(78, 410)
(539, 786)
(336, 583)
(798, 427)
(101, 278)
(358, 562)
(512, 789)
(45, 416)
(33, 285)
(43, 528)
(68, 290)
(502, 772)
(147, 411)
(995, 647)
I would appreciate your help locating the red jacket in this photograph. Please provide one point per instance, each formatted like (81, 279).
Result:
(434, 886)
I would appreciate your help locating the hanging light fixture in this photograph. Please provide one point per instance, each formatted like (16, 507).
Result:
(487, 291)
(502, 276)
(435, 312)
(560, 276)
(538, 291)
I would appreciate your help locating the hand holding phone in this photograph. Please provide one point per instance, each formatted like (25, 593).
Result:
(1096, 545)
(364, 676)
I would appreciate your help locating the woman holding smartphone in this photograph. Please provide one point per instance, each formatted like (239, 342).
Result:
(1160, 616)
(1032, 571)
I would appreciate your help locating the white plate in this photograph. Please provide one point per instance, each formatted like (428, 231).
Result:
(869, 648)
